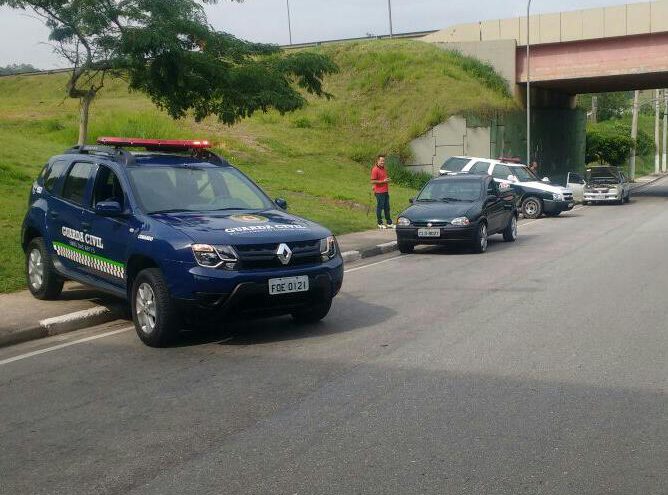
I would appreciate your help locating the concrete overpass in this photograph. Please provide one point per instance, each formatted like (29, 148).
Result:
(595, 50)
(606, 49)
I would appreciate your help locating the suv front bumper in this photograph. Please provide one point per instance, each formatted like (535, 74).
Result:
(247, 292)
(551, 206)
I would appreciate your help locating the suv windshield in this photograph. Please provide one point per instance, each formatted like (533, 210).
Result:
(455, 164)
(451, 190)
(523, 174)
(180, 189)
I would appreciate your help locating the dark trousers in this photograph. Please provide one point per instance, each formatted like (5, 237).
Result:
(383, 205)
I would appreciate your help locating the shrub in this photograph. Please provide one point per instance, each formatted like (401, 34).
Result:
(302, 123)
(611, 143)
(402, 176)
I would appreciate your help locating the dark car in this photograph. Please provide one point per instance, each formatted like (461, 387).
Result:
(177, 232)
(462, 208)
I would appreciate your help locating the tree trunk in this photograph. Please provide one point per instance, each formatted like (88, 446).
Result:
(85, 103)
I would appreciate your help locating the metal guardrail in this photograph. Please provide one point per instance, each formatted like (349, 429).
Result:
(294, 46)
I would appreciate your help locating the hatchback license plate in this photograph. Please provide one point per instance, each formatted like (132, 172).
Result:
(288, 285)
(429, 232)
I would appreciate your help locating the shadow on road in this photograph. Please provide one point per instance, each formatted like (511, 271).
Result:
(348, 314)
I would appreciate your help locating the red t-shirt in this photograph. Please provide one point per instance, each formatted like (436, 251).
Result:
(378, 173)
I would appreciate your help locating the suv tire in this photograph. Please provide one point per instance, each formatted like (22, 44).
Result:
(627, 199)
(155, 317)
(43, 280)
(481, 239)
(406, 247)
(314, 313)
(510, 232)
(532, 207)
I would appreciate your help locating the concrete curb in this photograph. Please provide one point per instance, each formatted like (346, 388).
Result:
(638, 185)
(388, 247)
(66, 323)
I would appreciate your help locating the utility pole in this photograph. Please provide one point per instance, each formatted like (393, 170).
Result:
(594, 109)
(529, 83)
(657, 128)
(287, 2)
(634, 134)
(389, 11)
(664, 164)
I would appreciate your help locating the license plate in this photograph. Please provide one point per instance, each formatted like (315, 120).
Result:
(429, 232)
(288, 285)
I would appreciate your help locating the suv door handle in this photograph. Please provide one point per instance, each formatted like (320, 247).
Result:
(53, 214)
(85, 226)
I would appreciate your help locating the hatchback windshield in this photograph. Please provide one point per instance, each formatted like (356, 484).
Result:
(451, 190)
(523, 174)
(602, 175)
(175, 189)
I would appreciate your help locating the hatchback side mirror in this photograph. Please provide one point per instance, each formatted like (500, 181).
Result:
(109, 209)
(545, 179)
(281, 203)
(411, 201)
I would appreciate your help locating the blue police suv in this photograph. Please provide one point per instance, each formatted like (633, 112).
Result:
(177, 231)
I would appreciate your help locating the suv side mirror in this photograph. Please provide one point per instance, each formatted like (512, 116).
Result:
(281, 203)
(411, 201)
(109, 209)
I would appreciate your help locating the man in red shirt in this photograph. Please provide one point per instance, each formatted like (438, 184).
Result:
(381, 189)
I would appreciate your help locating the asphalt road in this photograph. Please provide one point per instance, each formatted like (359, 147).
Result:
(537, 368)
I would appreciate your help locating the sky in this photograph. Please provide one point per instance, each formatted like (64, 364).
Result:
(23, 38)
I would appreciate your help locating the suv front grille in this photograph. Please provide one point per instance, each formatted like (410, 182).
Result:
(262, 256)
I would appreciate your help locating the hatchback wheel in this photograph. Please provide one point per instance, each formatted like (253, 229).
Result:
(153, 312)
(481, 239)
(43, 281)
(510, 233)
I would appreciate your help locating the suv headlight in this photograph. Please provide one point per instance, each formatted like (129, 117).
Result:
(215, 256)
(403, 222)
(558, 197)
(328, 248)
(461, 222)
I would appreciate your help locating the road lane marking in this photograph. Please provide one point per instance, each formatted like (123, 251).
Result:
(372, 264)
(62, 346)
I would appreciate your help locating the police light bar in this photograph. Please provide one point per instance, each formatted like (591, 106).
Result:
(155, 144)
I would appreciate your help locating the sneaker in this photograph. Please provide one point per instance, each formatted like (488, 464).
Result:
(391, 226)
(381, 226)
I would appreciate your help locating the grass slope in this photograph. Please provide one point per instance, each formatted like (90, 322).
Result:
(387, 93)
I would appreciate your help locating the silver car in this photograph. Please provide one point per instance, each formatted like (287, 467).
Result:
(606, 185)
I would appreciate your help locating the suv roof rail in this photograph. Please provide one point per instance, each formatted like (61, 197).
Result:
(117, 154)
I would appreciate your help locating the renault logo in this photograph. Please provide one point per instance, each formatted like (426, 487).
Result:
(284, 253)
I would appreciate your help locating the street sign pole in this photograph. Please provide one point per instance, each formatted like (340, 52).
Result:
(529, 83)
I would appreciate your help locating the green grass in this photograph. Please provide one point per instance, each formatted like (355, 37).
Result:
(318, 158)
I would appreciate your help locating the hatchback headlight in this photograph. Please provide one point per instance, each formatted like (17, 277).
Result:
(215, 256)
(328, 248)
(461, 222)
(403, 222)
(558, 197)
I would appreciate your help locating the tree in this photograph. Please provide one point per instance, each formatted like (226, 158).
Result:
(12, 69)
(611, 143)
(167, 49)
(609, 105)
